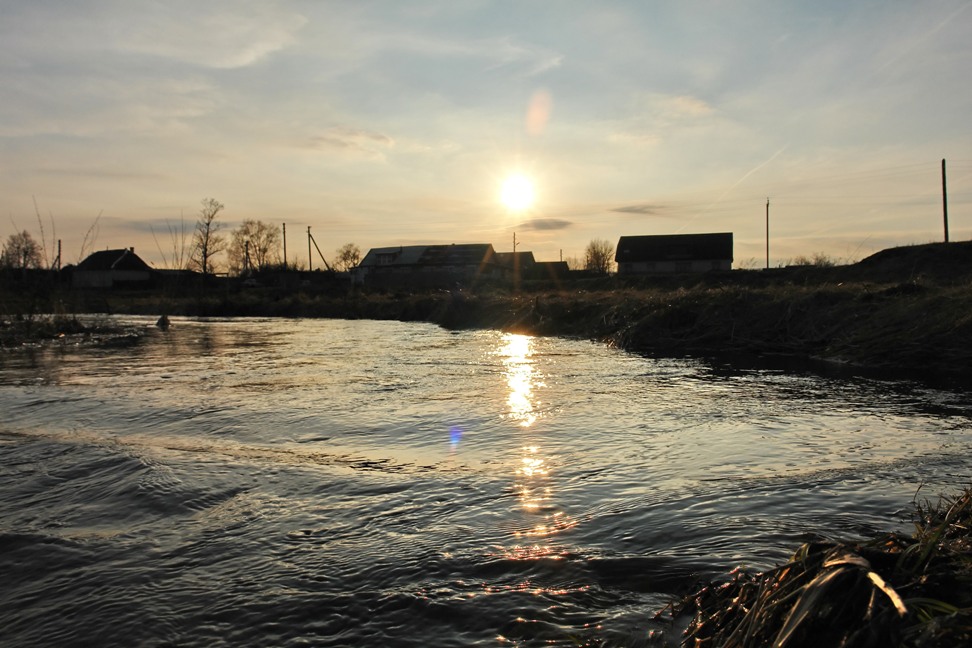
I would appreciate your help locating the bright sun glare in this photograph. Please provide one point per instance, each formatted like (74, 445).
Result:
(517, 192)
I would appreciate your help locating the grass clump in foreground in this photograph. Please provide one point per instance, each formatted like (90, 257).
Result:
(892, 591)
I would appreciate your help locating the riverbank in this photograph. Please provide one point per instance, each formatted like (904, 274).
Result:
(905, 312)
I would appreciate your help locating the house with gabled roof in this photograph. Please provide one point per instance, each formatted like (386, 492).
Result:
(674, 253)
(112, 269)
(516, 266)
(524, 266)
(427, 265)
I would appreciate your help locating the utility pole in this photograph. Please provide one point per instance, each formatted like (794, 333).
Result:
(285, 245)
(767, 232)
(944, 201)
(310, 260)
(514, 242)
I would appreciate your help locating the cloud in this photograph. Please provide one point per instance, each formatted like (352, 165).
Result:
(370, 144)
(220, 34)
(66, 104)
(659, 118)
(531, 60)
(644, 209)
(498, 53)
(216, 35)
(546, 224)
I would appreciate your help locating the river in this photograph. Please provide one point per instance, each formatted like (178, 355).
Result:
(271, 482)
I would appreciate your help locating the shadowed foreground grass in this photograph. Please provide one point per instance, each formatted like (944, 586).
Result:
(889, 592)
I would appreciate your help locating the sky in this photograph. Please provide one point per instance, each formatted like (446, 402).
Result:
(385, 123)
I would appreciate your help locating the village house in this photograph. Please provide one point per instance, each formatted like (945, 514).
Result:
(523, 266)
(113, 269)
(674, 253)
(516, 265)
(427, 265)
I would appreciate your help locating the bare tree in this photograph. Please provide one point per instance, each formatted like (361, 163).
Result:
(21, 251)
(43, 242)
(598, 256)
(89, 239)
(348, 256)
(179, 240)
(207, 242)
(254, 245)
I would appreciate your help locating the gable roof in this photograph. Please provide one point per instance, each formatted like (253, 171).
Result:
(514, 259)
(674, 247)
(107, 260)
(467, 254)
(398, 255)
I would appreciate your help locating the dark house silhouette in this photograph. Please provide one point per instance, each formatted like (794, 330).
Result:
(523, 265)
(427, 265)
(672, 253)
(516, 265)
(113, 269)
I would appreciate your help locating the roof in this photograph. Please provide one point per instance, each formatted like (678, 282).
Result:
(398, 255)
(674, 247)
(107, 260)
(514, 259)
(430, 255)
(457, 255)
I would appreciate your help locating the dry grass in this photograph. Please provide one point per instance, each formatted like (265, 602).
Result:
(890, 592)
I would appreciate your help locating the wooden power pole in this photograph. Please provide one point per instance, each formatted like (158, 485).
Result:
(767, 232)
(944, 201)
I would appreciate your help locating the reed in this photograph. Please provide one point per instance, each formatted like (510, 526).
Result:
(892, 591)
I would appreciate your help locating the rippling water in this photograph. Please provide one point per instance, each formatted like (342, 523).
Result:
(330, 483)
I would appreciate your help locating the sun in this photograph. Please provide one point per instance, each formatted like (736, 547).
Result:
(517, 192)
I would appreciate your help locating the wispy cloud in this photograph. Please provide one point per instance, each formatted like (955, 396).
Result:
(546, 224)
(531, 60)
(508, 53)
(645, 209)
(352, 140)
(219, 34)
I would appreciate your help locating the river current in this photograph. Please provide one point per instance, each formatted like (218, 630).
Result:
(257, 482)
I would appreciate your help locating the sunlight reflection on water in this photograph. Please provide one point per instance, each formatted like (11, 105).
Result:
(369, 481)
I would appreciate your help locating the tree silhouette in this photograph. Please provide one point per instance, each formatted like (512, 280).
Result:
(348, 256)
(206, 240)
(21, 251)
(256, 239)
(598, 256)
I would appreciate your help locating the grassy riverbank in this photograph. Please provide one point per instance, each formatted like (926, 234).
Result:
(904, 310)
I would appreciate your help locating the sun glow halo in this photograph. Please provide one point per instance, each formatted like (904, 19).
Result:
(517, 192)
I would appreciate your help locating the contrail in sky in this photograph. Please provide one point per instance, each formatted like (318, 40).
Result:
(736, 184)
(905, 50)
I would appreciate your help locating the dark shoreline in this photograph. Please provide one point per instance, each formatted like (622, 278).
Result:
(905, 313)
